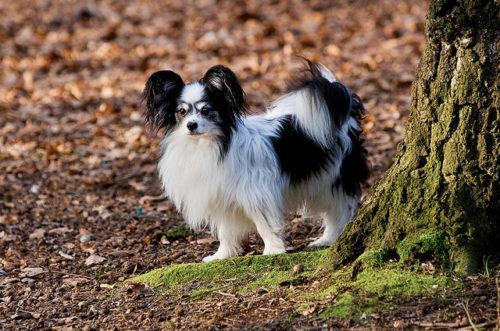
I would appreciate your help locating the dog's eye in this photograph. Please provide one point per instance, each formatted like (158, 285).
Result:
(182, 111)
(204, 111)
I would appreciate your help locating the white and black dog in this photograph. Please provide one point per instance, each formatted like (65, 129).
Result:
(238, 173)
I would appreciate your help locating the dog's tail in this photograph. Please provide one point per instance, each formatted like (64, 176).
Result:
(320, 105)
(330, 114)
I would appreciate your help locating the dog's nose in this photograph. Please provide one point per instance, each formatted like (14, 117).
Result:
(192, 126)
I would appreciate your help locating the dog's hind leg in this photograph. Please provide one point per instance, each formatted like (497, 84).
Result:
(336, 215)
(273, 243)
(230, 231)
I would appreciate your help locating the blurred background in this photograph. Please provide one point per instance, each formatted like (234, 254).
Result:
(77, 168)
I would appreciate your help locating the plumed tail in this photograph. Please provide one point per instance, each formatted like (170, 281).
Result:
(319, 104)
(354, 170)
(331, 115)
(346, 113)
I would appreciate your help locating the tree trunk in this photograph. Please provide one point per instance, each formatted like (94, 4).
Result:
(441, 196)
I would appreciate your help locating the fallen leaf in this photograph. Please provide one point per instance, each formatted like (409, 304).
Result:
(94, 259)
(75, 281)
(87, 248)
(69, 246)
(7, 237)
(138, 186)
(205, 241)
(66, 256)
(103, 212)
(37, 234)
(308, 311)
(35, 189)
(8, 219)
(297, 269)
(149, 198)
(9, 280)
(108, 286)
(398, 324)
(61, 230)
(31, 272)
(22, 315)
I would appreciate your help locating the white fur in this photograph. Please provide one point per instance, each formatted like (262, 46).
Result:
(247, 191)
(326, 73)
(192, 93)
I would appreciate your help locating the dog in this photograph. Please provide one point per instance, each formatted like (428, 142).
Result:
(238, 173)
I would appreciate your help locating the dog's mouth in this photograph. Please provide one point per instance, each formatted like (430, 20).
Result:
(196, 133)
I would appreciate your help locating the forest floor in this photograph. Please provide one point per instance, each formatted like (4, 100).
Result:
(79, 194)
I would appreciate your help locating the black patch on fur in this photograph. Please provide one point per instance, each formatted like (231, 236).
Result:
(161, 93)
(224, 93)
(354, 170)
(299, 156)
(224, 140)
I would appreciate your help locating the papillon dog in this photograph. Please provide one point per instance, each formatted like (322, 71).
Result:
(238, 173)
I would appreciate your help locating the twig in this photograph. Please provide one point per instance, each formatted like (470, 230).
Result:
(70, 274)
(128, 176)
(226, 294)
(25, 311)
(151, 198)
(465, 305)
(457, 326)
(439, 325)
(481, 325)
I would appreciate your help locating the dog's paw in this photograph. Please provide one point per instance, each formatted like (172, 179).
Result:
(321, 242)
(274, 250)
(212, 258)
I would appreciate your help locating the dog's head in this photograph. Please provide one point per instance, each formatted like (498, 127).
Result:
(209, 107)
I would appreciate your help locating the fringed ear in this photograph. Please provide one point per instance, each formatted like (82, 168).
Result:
(221, 82)
(341, 100)
(161, 93)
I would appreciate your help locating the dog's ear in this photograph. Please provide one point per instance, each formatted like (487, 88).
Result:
(161, 93)
(223, 83)
(340, 98)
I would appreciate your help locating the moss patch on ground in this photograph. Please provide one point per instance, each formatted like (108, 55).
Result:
(374, 281)
(178, 232)
(240, 274)
(381, 277)
(373, 289)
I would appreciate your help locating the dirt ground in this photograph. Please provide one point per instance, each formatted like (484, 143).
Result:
(79, 195)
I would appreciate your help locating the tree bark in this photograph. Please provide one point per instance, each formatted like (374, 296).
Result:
(443, 184)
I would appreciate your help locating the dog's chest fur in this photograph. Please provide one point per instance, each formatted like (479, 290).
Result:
(190, 173)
